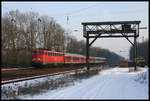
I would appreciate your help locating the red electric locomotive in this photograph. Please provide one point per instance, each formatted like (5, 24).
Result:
(46, 58)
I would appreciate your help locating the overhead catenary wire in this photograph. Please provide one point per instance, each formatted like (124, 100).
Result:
(70, 13)
(77, 11)
(82, 9)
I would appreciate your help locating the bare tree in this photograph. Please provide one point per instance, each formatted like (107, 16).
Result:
(24, 32)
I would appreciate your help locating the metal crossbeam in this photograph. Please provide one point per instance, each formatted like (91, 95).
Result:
(112, 22)
(113, 36)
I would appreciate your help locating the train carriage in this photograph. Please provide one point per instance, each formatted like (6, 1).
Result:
(74, 58)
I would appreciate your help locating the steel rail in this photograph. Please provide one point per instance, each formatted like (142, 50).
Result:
(35, 77)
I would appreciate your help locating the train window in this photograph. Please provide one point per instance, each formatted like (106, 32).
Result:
(75, 58)
(49, 54)
(58, 54)
(34, 53)
(41, 53)
(69, 57)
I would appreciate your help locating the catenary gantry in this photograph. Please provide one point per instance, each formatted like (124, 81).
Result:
(112, 29)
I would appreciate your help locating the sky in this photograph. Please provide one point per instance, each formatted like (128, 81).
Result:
(79, 12)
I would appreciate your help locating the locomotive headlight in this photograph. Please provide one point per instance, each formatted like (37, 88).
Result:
(38, 59)
(34, 59)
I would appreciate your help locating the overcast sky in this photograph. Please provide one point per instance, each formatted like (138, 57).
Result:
(79, 12)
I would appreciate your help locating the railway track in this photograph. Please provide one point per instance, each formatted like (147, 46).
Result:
(16, 75)
(9, 69)
(39, 76)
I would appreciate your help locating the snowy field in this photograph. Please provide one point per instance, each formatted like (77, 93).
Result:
(115, 83)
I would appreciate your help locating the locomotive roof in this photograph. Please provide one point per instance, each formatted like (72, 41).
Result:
(70, 54)
(49, 51)
(73, 54)
(100, 57)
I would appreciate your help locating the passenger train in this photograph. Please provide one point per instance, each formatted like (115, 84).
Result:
(42, 57)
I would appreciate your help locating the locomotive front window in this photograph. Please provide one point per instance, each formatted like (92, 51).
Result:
(34, 53)
(41, 53)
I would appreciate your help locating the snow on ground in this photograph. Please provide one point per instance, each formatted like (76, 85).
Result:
(115, 83)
